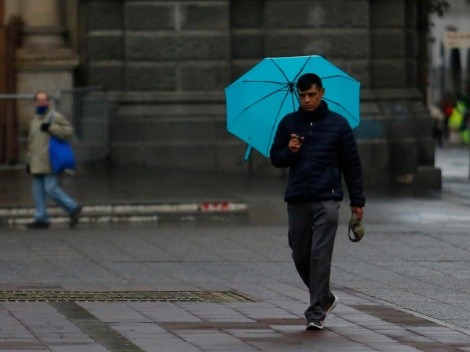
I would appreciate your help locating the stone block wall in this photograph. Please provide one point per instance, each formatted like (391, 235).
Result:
(156, 45)
(166, 64)
(288, 28)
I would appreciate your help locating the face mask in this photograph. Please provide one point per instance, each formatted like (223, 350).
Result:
(40, 110)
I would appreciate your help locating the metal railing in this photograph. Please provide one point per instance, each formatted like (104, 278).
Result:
(87, 110)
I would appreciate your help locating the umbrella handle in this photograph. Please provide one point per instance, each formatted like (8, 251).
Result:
(248, 151)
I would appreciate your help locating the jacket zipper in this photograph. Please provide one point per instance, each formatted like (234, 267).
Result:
(308, 160)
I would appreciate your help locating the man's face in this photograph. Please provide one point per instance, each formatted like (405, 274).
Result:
(310, 99)
(41, 99)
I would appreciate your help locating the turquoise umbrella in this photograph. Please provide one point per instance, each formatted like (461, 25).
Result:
(257, 101)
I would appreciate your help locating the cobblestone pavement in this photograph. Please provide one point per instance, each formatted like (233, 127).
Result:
(230, 285)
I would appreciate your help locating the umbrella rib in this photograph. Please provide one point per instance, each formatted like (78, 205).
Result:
(302, 68)
(342, 76)
(275, 82)
(277, 117)
(335, 103)
(262, 98)
(280, 69)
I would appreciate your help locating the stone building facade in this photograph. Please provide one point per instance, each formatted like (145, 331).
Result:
(166, 63)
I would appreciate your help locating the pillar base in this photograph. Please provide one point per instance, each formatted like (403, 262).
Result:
(30, 59)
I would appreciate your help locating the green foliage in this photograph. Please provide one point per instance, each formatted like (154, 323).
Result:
(439, 7)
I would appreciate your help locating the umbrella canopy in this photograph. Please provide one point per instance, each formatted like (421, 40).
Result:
(257, 101)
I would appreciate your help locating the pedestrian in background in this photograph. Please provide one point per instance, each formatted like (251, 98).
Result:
(318, 147)
(45, 183)
(456, 122)
(438, 122)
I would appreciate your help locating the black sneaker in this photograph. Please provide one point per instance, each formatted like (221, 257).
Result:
(330, 307)
(37, 225)
(74, 215)
(313, 324)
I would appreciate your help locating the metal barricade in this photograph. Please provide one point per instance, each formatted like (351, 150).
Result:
(87, 108)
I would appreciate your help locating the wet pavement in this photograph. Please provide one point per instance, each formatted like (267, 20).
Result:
(228, 284)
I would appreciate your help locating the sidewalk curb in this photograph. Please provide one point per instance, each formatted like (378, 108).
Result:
(133, 213)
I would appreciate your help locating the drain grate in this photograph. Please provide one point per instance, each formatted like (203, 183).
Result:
(123, 296)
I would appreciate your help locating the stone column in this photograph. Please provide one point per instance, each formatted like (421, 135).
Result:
(42, 24)
(44, 62)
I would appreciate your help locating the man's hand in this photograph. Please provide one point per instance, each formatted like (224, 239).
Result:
(295, 142)
(358, 211)
(45, 126)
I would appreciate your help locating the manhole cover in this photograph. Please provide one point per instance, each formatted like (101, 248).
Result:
(123, 296)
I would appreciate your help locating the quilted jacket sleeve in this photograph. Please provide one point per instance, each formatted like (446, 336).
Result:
(352, 168)
(281, 155)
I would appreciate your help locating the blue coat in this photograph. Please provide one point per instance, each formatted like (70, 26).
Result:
(328, 151)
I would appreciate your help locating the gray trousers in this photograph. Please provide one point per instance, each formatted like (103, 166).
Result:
(312, 232)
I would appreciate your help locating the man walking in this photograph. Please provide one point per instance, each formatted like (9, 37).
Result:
(318, 147)
(45, 182)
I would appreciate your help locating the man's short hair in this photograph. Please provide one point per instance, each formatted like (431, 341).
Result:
(40, 92)
(307, 80)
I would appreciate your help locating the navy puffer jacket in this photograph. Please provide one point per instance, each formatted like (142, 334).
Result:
(328, 151)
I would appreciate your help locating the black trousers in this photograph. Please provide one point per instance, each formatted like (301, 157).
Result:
(312, 232)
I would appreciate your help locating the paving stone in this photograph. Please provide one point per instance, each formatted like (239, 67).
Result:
(403, 288)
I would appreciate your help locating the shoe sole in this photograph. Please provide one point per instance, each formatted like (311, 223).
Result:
(74, 218)
(333, 305)
(43, 226)
(312, 326)
(73, 223)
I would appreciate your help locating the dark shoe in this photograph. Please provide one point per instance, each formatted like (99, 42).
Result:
(74, 215)
(313, 324)
(330, 307)
(38, 225)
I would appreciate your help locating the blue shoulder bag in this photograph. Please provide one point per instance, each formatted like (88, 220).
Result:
(60, 153)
